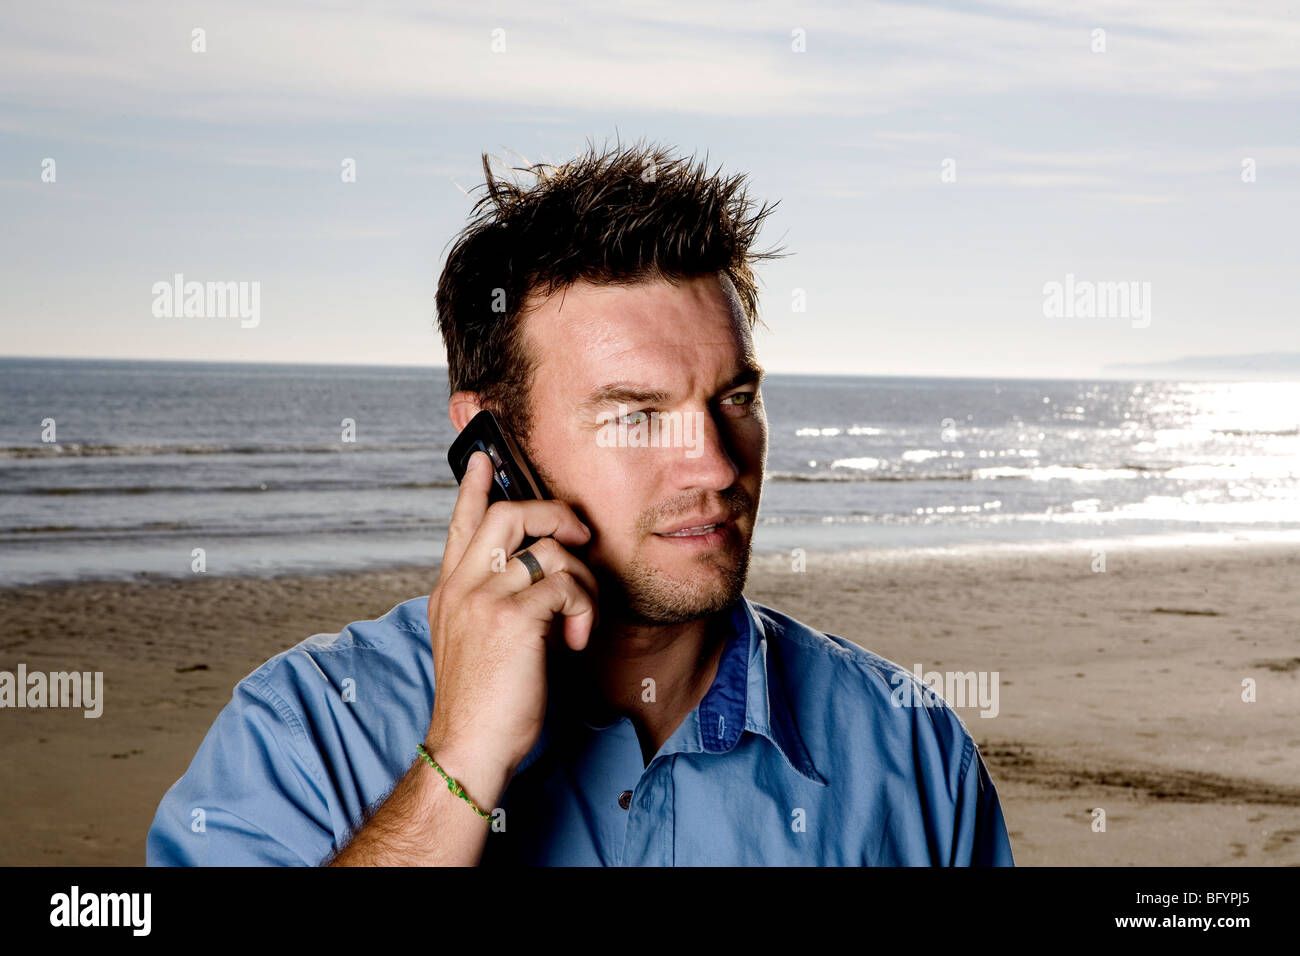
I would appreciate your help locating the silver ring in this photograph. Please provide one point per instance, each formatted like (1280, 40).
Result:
(535, 572)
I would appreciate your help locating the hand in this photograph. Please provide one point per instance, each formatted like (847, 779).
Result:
(491, 629)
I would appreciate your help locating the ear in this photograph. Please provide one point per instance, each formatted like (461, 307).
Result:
(461, 407)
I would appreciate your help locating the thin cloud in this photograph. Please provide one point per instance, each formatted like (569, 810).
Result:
(271, 60)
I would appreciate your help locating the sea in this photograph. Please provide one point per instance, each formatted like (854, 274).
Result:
(139, 470)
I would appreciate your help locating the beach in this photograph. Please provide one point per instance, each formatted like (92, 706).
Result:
(1119, 689)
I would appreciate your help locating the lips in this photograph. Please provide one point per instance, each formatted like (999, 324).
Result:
(690, 532)
(698, 525)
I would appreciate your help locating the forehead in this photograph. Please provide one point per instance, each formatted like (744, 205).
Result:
(679, 337)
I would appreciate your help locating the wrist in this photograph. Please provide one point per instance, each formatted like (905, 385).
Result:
(483, 779)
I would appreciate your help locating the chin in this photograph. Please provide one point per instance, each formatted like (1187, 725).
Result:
(675, 593)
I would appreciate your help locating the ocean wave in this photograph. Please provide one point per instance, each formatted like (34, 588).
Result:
(1239, 470)
(1085, 472)
(1065, 472)
(96, 450)
(278, 486)
(864, 476)
(834, 430)
(149, 527)
(1257, 432)
(204, 530)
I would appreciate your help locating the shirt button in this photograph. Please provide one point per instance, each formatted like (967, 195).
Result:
(625, 799)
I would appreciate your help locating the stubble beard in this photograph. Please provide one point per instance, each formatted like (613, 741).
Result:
(642, 594)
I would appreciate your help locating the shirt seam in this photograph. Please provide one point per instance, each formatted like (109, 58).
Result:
(297, 730)
(967, 752)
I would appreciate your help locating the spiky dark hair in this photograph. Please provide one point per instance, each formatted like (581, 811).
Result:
(621, 215)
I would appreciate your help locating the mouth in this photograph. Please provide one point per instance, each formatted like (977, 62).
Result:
(692, 532)
(710, 534)
(696, 524)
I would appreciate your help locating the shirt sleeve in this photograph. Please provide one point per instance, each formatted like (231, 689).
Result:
(981, 832)
(253, 795)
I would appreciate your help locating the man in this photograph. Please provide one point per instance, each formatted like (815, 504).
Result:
(610, 696)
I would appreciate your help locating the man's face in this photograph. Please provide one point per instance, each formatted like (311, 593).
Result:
(690, 343)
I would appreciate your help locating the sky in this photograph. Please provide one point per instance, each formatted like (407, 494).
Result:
(939, 169)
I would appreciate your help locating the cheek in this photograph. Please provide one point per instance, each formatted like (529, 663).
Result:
(751, 441)
(617, 487)
(607, 487)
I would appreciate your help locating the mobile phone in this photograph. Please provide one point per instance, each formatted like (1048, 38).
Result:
(512, 477)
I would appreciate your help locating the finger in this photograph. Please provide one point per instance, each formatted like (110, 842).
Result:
(506, 523)
(561, 594)
(471, 505)
(553, 557)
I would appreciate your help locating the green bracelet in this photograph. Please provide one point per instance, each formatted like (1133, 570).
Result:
(452, 785)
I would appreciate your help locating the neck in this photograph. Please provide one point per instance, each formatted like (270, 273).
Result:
(653, 674)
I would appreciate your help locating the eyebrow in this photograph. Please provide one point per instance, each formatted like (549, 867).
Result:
(632, 393)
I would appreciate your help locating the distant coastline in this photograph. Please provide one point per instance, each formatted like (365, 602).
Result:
(1261, 366)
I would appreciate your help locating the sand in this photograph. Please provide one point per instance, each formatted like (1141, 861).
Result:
(1119, 690)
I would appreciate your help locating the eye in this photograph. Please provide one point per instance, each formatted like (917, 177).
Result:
(624, 419)
(746, 399)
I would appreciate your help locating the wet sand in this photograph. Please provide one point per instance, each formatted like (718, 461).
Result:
(1119, 690)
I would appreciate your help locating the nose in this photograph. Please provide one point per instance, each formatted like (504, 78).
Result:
(706, 458)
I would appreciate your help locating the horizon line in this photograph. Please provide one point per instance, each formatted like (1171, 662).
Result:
(771, 373)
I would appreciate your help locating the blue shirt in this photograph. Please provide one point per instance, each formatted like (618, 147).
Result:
(798, 754)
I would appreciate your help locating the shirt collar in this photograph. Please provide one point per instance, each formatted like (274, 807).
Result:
(748, 693)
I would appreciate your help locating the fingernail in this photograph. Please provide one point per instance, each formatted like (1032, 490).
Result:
(475, 461)
(586, 529)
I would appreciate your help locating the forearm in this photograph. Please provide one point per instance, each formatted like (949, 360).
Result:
(422, 823)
